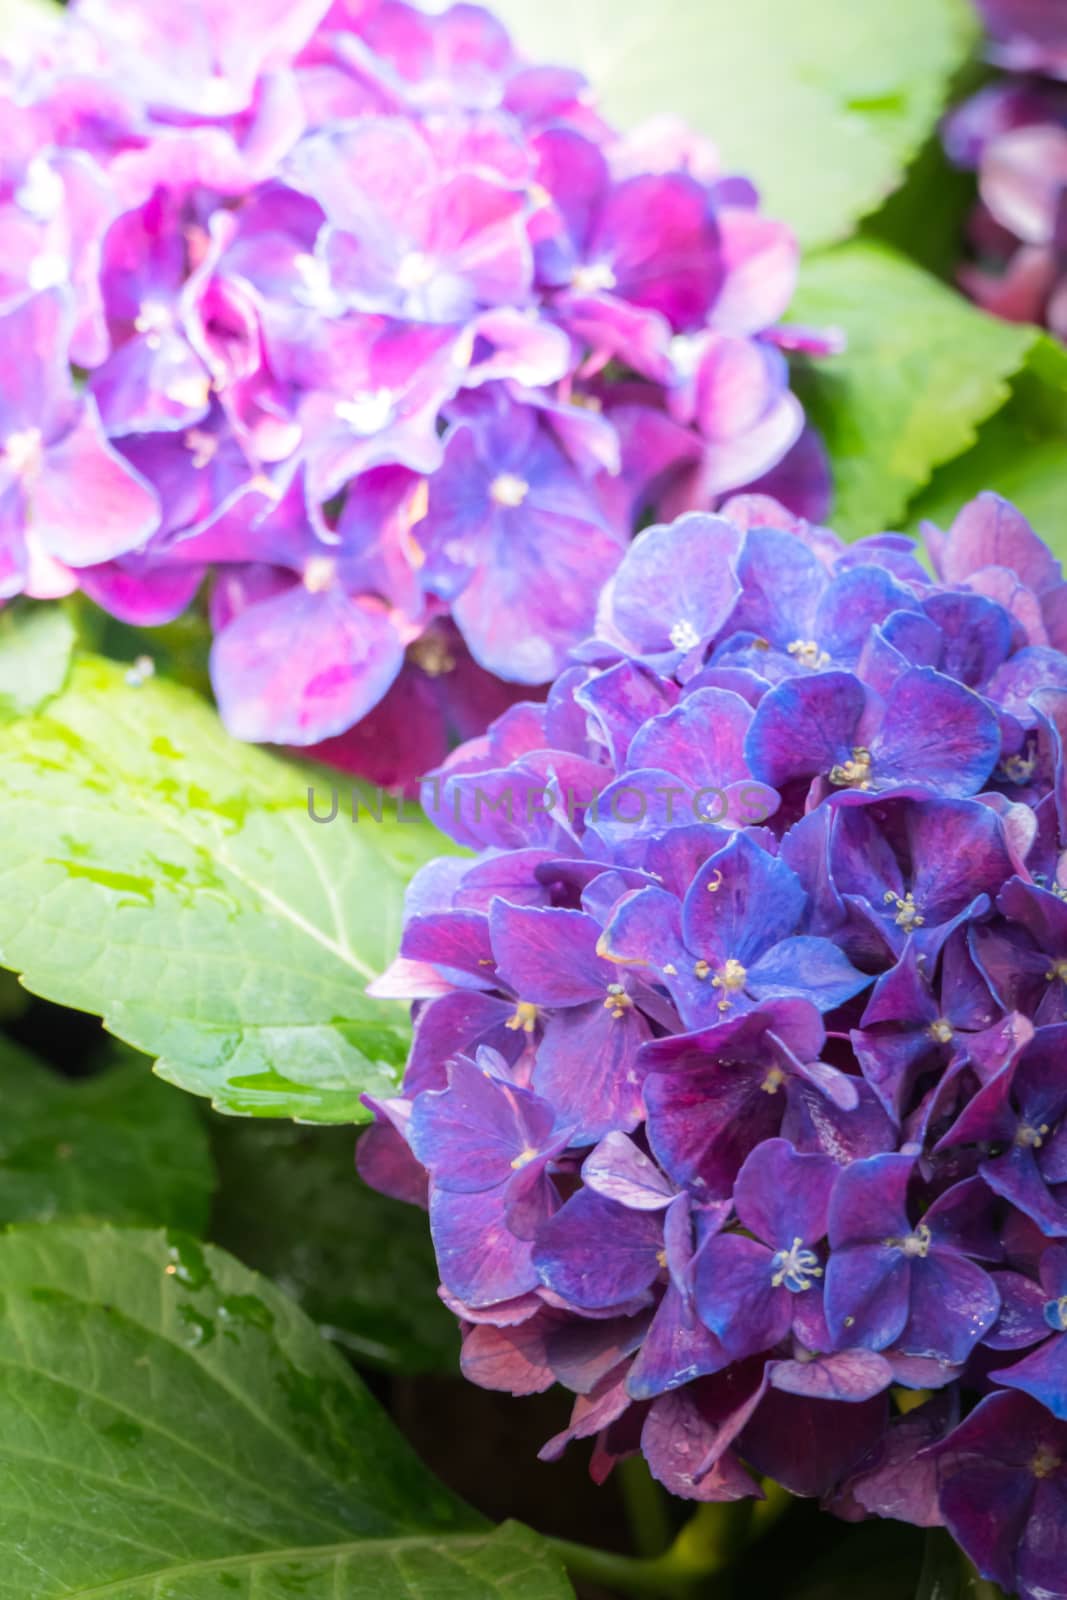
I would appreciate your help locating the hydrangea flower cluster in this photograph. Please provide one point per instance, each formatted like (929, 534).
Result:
(738, 1090)
(1013, 133)
(382, 325)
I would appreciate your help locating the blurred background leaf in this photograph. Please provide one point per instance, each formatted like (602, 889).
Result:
(922, 371)
(291, 1205)
(823, 102)
(1021, 452)
(120, 1145)
(36, 643)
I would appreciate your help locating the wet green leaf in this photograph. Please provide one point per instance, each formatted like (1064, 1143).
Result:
(173, 1428)
(162, 875)
(291, 1205)
(119, 1145)
(822, 102)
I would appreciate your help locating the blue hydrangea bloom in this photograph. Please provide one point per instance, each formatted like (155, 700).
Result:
(738, 1094)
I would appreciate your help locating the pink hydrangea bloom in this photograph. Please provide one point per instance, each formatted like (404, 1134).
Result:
(379, 329)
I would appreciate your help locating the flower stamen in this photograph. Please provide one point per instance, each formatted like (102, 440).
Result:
(907, 916)
(795, 1269)
(618, 1002)
(523, 1018)
(854, 773)
(1045, 1463)
(808, 654)
(915, 1245)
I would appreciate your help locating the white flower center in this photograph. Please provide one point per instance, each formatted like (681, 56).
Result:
(509, 490)
(46, 271)
(807, 652)
(193, 392)
(41, 193)
(686, 351)
(203, 447)
(153, 320)
(24, 452)
(415, 271)
(683, 636)
(592, 277)
(367, 413)
(319, 573)
(314, 288)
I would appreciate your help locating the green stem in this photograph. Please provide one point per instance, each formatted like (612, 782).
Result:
(628, 1575)
(715, 1533)
(646, 1507)
(766, 1512)
(976, 1588)
(703, 1548)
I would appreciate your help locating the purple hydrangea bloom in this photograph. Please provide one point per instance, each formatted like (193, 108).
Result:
(761, 961)
(1043, 1372)
(894, 1282)
(380, 332)
(1002, 1478)
(1013, 134)
(56, 459)
(748, 1288)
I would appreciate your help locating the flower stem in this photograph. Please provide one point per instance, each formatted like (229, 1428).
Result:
(976, 1588)
(703, 1548)
(766, 1512)
(646, 1508)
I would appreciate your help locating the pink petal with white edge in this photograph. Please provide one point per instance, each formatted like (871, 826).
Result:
(736, 382)
(728, 465)
(1022, 179)
(88, 504)
(760, 258)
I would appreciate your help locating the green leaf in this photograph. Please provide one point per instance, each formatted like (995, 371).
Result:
(822, 102)
(35, 650)
(159, 873)
(323, 1244)
(173, 1428)
(926, 218)
(177, 650)
(13, 998)
(1019, 453)
(120, 1145)
(923, 369)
